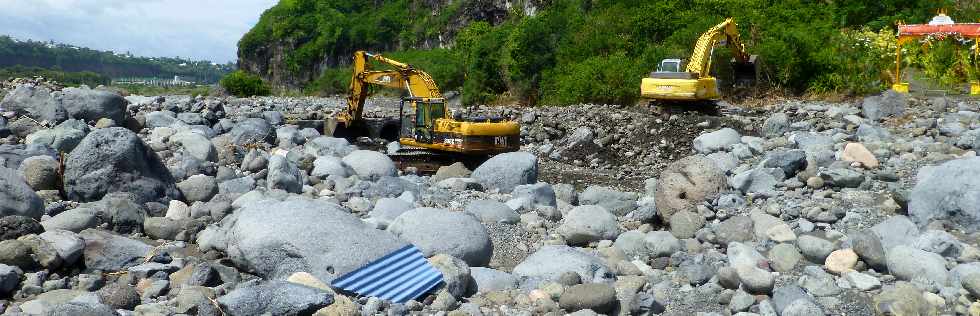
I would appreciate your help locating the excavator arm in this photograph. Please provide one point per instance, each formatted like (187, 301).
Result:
(417, 82)
(700, 62)
(424, 126)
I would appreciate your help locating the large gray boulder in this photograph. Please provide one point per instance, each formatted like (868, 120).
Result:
(75, 220)
(284, 175)
(63, 138)
(328, 146)
(92, 105)
(437, 231)
(887, 104)
(325, 166)
(387, 210)
(540, 193)
(872, 133)
(507, 171)
(776, 125)
(842, 177)
(198, 188)
(14, 226)
(11, 156)
(811, 142)
(588, 223)
(251, 131)
(616, 202)
(9, 278)
(720, 140)
(196, 145)
(68, 245)
(371, 165)
(950, 191)
(686, 183)
(116, 160)
(489, 211)
(487, 280)
(41, 173)
(34, 101)
(160, 119)
(333, 242)
(908, 263)
(789, 161)
(550, 262)
(274, 298)
(895, 231)
(41, 103)
(16, 197)
(792, 300)
(110, 252)
(758, 181)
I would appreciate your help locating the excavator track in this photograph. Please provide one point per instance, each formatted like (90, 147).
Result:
(426, 161)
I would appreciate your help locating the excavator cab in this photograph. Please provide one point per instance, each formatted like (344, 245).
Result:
(419, 117)
(669, 65)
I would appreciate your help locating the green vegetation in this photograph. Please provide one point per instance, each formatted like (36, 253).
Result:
(574, 51)
(67, 58)
(147, 90)
(340, 27)
(242, 84)
(66, 78)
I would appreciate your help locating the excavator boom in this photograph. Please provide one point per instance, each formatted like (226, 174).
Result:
(701, 58)
(418, 83)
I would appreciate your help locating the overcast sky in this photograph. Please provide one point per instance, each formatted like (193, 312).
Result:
(195, 29)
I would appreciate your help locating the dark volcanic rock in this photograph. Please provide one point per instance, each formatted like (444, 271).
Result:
(275, 298)
(15, 226)
(116, 160)
(16, 197)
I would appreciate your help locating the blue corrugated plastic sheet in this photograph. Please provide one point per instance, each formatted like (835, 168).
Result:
(398, 277)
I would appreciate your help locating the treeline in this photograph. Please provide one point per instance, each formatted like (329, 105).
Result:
(72, 59)
(67, 78)
(572, 51)
(333, 29)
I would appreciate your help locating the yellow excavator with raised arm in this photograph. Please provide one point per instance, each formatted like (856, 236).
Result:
(429, 136)
(694, 82)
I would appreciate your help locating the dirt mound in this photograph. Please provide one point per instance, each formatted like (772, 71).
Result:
(628, 144)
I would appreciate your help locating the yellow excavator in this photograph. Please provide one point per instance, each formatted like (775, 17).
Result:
(429, 136)
(695, 83)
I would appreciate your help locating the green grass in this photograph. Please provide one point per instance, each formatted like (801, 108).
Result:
(157, 90)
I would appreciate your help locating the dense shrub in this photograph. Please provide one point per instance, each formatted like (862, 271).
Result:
(599, 79)
(571, 51)
(243, 84)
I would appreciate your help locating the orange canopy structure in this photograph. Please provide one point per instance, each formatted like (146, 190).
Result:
(918, 30)
(940, 27)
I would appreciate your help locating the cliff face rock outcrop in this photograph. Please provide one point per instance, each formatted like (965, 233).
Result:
(296, 41)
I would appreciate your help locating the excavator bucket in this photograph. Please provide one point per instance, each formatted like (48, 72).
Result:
(746, 73)
(340, 129)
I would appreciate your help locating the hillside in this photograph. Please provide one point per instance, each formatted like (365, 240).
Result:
(569, 51)
(69, 58)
